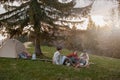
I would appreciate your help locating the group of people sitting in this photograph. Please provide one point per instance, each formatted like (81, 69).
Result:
(71, 59)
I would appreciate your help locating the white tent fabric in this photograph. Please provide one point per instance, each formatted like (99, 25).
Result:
(11, 48)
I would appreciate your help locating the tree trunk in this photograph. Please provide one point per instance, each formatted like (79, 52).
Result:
(37, 34)
(38, 51)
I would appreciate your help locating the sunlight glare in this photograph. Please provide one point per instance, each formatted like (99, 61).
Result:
(2, 37)
(99, 20)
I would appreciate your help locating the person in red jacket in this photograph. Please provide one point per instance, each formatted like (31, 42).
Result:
(73, 58)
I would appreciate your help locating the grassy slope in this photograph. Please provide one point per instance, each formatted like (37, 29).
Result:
(103, 69)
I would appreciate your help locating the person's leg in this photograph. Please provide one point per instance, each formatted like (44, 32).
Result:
(66, 61)
(87, 64)
(21, 55)
(77, 65)
(72, 61)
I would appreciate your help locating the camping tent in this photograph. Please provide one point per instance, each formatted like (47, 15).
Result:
(11, 48)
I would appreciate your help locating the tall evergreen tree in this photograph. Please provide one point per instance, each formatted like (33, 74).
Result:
(40, 15)
(34, 13)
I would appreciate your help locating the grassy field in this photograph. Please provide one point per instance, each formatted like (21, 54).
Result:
(104, 68)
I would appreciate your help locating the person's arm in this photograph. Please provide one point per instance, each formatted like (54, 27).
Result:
(87, 57)
(54, 58)
(81, 55)
(87, 60)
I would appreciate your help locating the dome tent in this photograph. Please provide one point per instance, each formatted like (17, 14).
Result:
(11, 48)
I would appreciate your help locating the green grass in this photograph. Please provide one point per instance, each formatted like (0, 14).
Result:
(48, 51)
(17, 69)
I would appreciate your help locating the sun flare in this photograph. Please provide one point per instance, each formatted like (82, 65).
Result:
(2, 37)
(99, 20)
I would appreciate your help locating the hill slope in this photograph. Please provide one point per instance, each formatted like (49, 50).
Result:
(16, 69)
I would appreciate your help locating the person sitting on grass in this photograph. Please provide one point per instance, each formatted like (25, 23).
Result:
(73, 58)
(57, 56)
(84, 60)
(24, 55)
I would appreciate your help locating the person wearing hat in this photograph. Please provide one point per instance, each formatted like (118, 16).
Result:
(57, 56)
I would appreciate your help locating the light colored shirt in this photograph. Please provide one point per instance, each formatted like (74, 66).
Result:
(85, 57)
(56, 58)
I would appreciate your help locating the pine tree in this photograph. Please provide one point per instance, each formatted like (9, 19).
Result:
(40, 15)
